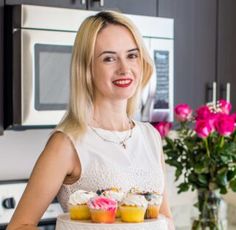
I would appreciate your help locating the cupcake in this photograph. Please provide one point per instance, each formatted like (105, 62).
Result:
(77, 205)
(115, 194)
(102, 209)
(133, 208)
(154, 203)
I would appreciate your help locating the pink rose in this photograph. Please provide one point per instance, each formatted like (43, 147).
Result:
(233, 115)
(203, 128)
(183, 112)
(203, 112)
(225, 106)
(212, 118)
(163, 128)
(225, 124)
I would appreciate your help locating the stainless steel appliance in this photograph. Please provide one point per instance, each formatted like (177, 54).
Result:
(10, 193)
(42, 44)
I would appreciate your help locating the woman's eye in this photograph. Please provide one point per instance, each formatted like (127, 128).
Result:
(133, 55)
(108, 59)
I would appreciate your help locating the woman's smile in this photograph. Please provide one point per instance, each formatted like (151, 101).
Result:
(123, 83)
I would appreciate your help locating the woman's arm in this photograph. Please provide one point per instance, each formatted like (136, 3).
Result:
(165, 210)
(54, 164)
(165, 207)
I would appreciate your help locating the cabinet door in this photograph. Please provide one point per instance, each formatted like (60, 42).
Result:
(78, 4)
(194, 48)
(140, 7)
(227, 49)
(1, 65)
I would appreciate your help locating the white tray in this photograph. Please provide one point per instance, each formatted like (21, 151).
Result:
(65, 223)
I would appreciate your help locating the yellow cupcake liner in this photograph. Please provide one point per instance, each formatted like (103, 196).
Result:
(152, 212)
(132, 214)
(79, 212)
(103, 216)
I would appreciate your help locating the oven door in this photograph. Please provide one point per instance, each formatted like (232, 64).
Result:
(41, 91)
(10, 194)
(158, 97)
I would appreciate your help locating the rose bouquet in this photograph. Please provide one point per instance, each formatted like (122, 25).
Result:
(204, 155)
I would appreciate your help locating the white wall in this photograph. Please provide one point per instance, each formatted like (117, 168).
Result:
(18, 152)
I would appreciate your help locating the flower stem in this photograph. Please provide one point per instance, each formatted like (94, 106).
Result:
(222, 141)
(207, 147)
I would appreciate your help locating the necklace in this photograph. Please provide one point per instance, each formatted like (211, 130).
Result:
(121, 142)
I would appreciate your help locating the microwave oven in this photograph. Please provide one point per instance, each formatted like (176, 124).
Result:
(42, 41)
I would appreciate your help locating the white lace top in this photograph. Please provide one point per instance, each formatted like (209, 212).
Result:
(106, 164)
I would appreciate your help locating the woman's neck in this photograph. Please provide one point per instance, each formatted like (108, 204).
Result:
(110, 118)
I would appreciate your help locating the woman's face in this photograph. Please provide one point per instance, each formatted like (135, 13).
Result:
(117, 65)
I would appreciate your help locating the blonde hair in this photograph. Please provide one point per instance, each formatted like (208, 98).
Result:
(80, 107)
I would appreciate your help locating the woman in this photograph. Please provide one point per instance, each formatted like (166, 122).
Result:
(97, 145)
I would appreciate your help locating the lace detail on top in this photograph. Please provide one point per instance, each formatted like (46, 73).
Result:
(106, 165)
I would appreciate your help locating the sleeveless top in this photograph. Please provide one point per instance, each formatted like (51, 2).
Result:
(106, 164)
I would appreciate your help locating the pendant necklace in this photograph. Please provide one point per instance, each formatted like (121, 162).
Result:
(121, 142)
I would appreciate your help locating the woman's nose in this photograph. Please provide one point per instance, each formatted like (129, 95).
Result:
(123, 68)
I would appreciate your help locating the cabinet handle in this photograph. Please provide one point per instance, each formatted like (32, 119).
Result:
(228, 91)
(83, 2)
(211, 92)
(225, 91)
(101, 2)
(214, 93)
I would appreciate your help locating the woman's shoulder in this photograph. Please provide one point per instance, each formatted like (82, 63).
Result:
(58, 138)
(146, 126)
(148, 129)
(59, 144)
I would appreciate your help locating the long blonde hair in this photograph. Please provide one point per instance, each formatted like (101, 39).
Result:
(80, 107)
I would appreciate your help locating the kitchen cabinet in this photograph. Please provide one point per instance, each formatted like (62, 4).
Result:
(1, 64)
(147, 7)
(194, 48)
(56, 3)
(204, 49)
(140, 7)
(226, 58)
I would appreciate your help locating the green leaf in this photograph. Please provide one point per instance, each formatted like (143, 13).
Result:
(222, 176)
(183, 187)
(225, 158)
(175, 163)
(232, 185)
(200, 168)
(231, 174)
(223, 190)
(192, 177)
(196, 225)
(178, 173)
(202, 179)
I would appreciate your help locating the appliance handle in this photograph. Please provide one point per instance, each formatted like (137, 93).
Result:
(146, 114)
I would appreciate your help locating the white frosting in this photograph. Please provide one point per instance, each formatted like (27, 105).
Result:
(134, 200)
(80, 197)
(156, 199)
(116, 195)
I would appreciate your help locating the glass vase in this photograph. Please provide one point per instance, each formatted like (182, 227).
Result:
(208, 204)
